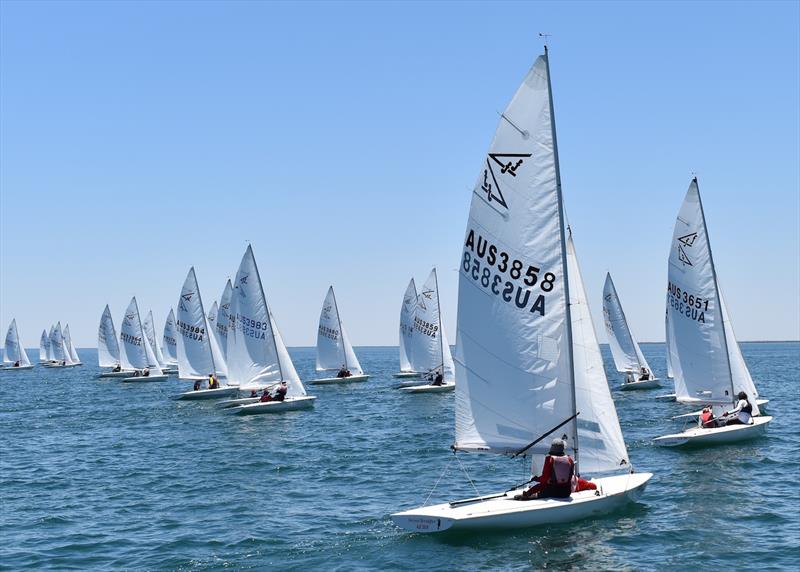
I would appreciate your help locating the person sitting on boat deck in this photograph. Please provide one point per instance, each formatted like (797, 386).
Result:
(265, 396)
(280, 393)
(213, 382)
(742, 414)
(146, 372)
(706, 419)
(16, 363)
(644, 374)
(439, 379)
(253, 393)
(556, 478)
(116, 368)
(196, 385)
(344, 372)
(136, 373)
(63, 362)
(629, 377)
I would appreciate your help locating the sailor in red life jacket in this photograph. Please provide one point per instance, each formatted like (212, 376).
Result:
(707, 420)
(556, 480)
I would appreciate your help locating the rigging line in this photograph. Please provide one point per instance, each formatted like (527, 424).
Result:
(467, 474)
(436, 484)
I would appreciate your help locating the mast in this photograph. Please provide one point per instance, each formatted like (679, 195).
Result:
(205, 321)
(441, 340)
(563, 252)
(716, 290)
(341, 330)
(625, 320)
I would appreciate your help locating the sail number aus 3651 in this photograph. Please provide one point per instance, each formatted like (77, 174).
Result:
(485, 264)
(689, 305)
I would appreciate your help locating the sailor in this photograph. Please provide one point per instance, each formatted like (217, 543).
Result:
(265, 397)
(629, 377)
(253, 393)
(213, 382)
(439, 379)
(742, 414)
(197, 385)
(16, 363)
(116, 368)
(146, 372)
(343, 372)
(644, 374)
(280, 393)
(137, 373)
(707, 420)
(556, 480)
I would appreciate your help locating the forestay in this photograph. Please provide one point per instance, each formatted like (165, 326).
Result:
(627, 355)
(170, 345)
(195, 360)
(107, 344)
(407, 328)
(513, 360)
(257, 356)
(132, 354)
(223, 318)
(14, 352)
(44, 346)
(430, 349)
(333, 346)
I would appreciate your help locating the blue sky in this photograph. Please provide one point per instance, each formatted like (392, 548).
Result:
(343, 139)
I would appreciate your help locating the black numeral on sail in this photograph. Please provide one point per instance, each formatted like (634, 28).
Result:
(521, 297)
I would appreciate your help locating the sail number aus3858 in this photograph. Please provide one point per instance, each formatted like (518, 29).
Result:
(485, 264)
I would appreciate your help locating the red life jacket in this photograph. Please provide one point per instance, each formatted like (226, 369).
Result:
(706, 417)
(563, 467)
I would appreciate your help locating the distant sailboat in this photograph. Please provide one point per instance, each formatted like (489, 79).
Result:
(707, 362)
(108, 346)
(15, 358)
(528, 363)
(257, 357)
(44, 347)
(61, 353)
(431, 351)
(170, 346)
(223, 319)
(135, 351)
(149, 326)
(406, 332)
(73, 354)
(628, 357)
(334, 350)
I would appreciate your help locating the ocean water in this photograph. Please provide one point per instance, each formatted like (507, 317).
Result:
(96, 474)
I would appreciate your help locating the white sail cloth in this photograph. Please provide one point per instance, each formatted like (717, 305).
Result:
(705, 357)
(50, 349)
(406, 333)
(57, 345)
(135, 349)
(334, 349)
(223, 319)
(149, 326)
(430, 350)
(669, 344)
(170, 339)
(257, 356)
(195, 358)
(625, 350)
(14, 352)
(107, 344)
(44, 346)
(69, 347)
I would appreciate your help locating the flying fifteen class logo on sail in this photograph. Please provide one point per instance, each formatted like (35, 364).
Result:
(508, 164)
(687, 241)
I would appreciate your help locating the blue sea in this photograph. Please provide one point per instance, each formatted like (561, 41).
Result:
(96, 474)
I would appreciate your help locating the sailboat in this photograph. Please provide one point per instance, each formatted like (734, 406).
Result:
(61, 353)
(149, 326)
(70, 348)
(708, 364)
(44, 347)
(136, 354)
(257, 357)
(334, 350)
(15, 358)
(431, 350)
(108, 346)
(196, 356)
(169, 348)
(627, 355)
(527, 359)
(406, 332)
(223, 319)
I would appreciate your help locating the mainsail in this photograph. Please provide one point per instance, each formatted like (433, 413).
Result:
(44, 346)
(107, 344)
(705, 357)
(14, 352)
(627, 355)
(431, 352)
(133, 353)
(407, 328)
(170, 339)
(195, 359)
(57, 345)
(334, 349)
(257, 356)
(50, 349)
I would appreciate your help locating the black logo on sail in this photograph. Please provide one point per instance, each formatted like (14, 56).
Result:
(504, 164)
(688, 241)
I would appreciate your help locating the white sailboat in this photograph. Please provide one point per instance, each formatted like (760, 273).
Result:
(108, 346)
(528, 363)
(197, 359)
(334, 350)
(44, 347)
(61, 353)
(73, 354)
(14, 357)
(169, 347)
(431, 351)
(50, 350)
(136, 354)
(406, 332)
(149, 325)
(628, 357)
(706, 359)
(257, 357)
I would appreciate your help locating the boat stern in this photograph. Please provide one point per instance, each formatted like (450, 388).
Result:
(417, 520)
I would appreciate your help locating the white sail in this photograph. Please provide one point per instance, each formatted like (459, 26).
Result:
(223, 318)
(449, 373)
(14, 352)
(256, 356)
(195, 360)
(211, 317)
(742, 381)
(513, 351)
(57, 343)
(50, 349)
(599, 434)
(627, 355)
(407, 327)
(429, 343)
(73, 355)
(333, 346)
(149, 326)
(44, 346)
(152, 360)
(216, 351)
(170, 339)
(107, 344)
(700, 354)
(668, 345)
(132, 339)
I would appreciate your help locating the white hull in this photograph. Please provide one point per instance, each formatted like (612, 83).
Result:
(59, 365)
(289, 404)
(116, 374)
(339, 380)
(144, 378)
(667, 397)
(11, 368)
(170, 370)
(428, 388)
(237, 402)
(406, 374)
(715, 436)
(208, 393)
(503, 512)
(697, 413)
(644, 384)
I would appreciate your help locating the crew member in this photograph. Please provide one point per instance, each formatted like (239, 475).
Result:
(556, 478)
